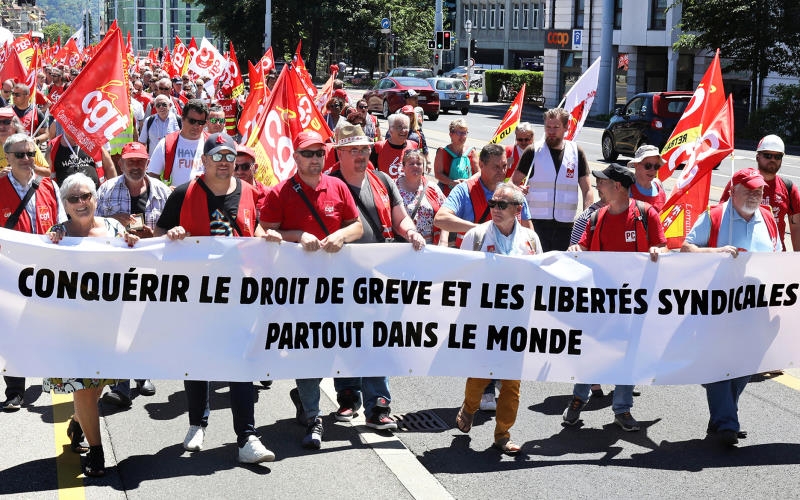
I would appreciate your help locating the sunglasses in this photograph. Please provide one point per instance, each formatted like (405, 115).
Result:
(29, 154)
(231, 157)
(244, 167)
(162, 105)
(319, 153)
(5, 122)
(18, 94)
(79, 197)
(524, 139)
(192, 121)
(772, 156)
(362, 107)
(651, 166)
(502, 205)
(217, 120)
(164, 88)
(462, 133)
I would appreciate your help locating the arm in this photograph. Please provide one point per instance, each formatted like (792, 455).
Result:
(438, 168)
(691, 247)
(108, 164)
(447, 220)
(351, 231)
(405, 227)
(586, 190)
(794, 230)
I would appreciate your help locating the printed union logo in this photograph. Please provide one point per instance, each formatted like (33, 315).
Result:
(205, 58)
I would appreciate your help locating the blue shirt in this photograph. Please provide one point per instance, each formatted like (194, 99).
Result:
(460, 203)
(752, 235)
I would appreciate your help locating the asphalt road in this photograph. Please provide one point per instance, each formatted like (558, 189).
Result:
(669, 458)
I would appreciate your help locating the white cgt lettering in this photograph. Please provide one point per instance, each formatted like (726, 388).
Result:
(102, 115)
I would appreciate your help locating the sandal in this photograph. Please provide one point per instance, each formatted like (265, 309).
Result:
(95, 462)
(507, 446)
(464, 420)
(75, 435)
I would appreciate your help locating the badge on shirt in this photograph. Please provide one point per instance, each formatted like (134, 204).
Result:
(44, 214)
(630, 236)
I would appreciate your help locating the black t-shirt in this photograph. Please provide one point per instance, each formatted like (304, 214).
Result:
(68, 163)
(220, 225)
(364, 199)
(526, 160)
(139, 203)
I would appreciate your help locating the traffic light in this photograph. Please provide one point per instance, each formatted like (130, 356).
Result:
(439, 40)
(447, 37)
(396, 44)
(473, 48)
(436, 58)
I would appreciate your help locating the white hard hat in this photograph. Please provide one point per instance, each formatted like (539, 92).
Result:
(771, 143)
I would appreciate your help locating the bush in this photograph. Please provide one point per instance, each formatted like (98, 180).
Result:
(780, 116)
(494, 78)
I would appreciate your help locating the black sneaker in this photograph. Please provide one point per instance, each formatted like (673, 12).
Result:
(347, 406)
(117, 399)
(313, 437)
(12, 404)
(146, 387)
(573, 412)
(626, 422)
(380, 419)
(300, 413)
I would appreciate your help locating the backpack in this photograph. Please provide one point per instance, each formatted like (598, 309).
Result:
(641, 216)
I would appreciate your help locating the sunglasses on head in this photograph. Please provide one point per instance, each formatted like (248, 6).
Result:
(244, 167)
(75, 198)
(320, 153)
(193, 121)
(502, 205)
(772, 156)
(651, 166)
(29, 154)
(231, 157)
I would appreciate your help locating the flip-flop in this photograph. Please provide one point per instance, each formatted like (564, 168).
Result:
(507, 446)
(464, 420)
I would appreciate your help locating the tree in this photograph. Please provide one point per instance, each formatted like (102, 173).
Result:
(756, 36)
(52, 32)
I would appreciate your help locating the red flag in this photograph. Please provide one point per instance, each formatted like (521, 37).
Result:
(254, 104)
(325, 94)
(689, 196)
(233, 75)
(68, 55)
(290, 110)
(708, 98)
(95, 107)
(302, 71)
(12, 68)
(180, 57)
(267, 62)
(512, 118)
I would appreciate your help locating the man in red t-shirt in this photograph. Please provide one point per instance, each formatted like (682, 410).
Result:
(617, 227)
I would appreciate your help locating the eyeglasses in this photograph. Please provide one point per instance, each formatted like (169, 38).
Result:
(79, 197)
(502, 205)
(244, 167)
(524, 139)
(29, 154)
(162, 105)
(359, 151)
(5, 122)
(319, 153)
(362, 106)
(193, 121)
(218, 121)
(651, 166)
(227, 156)
(18, 94)
(165, 88)
(462, 133)
(772, 156)
(401, 128)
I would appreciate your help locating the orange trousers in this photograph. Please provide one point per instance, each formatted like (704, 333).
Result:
(507, 403)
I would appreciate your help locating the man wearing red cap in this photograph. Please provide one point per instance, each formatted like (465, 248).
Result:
(245, 169)
(740, 224)
(217, 204)
(780, 192)
(319, 212)
(136, 201)
(387, 156)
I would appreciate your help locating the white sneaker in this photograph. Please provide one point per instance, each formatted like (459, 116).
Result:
(488, 403)
(194, 438)
(254, 452)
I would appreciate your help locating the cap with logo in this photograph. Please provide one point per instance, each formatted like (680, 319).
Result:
(217, 142)
(750, 178)
(134, 150)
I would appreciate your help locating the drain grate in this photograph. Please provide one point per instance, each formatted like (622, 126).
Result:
(421, 421)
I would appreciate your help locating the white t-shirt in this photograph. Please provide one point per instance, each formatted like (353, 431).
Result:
(187, 164)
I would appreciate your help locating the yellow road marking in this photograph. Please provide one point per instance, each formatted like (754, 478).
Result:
(788, 381)
(68, 464)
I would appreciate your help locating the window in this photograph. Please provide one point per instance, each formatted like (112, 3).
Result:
(483, 17)
(535, 16)
(577, 19)
(466, 14)
(492, 15)
(515, 17)
(658, 14)
(525, 16)
(617, 14)
(474, 17)
(501, 17)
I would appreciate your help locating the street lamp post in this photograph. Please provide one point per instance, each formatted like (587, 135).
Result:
(468, 29)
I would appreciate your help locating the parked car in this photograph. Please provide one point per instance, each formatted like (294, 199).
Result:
(389, 95)
(457, 72)
(411, 72)
(453, 94)
(648, 118)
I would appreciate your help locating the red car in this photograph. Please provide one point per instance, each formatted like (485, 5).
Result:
(389, 95)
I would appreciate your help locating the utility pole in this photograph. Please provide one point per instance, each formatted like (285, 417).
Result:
(268, 25)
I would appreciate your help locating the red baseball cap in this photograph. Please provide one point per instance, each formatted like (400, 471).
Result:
(749, 178)
(6, 112)
(305, 139)
(407, 109)
(134, 150)
(340, 93)
(245, 150)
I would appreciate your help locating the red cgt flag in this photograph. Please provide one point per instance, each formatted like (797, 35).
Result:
(267, 62)
(289, 111)
(95, 107)
(233, 75)
(254, 105)
(11, 67)
(511, 119)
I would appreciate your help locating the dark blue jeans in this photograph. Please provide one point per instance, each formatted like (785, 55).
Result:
(15, 386)
(723, 402)
(198, 394)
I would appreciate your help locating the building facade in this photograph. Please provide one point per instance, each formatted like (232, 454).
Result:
(155, 23)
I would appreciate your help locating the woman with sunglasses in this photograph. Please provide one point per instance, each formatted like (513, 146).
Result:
(79, 195)
(504, 235)
(647, 188)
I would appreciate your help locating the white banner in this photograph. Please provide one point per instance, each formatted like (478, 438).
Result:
(245, 309)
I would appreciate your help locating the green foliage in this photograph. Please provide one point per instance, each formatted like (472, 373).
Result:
(515, 78)
(69, 12)
(53, 31)
(780, 116)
